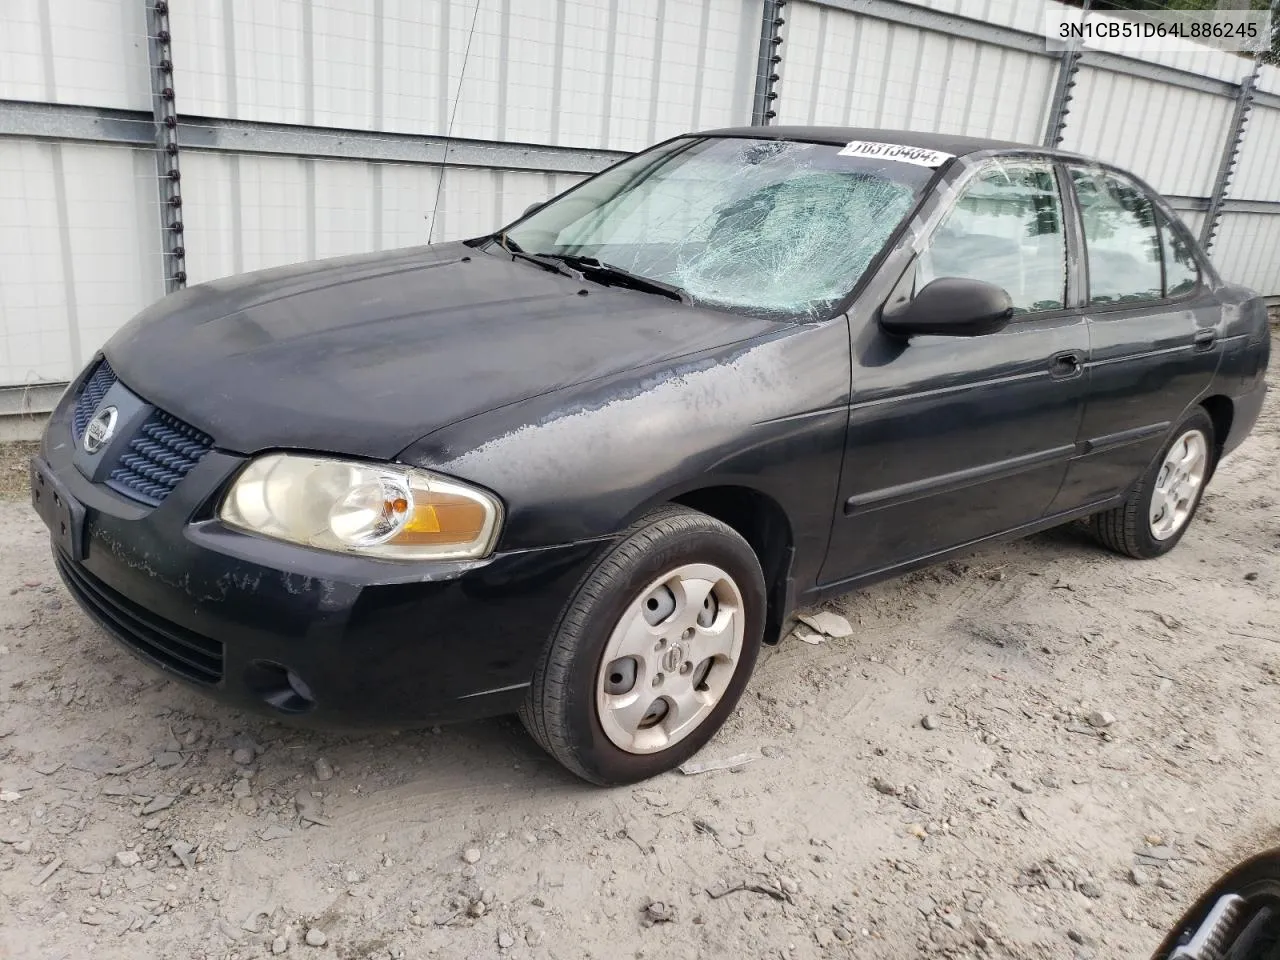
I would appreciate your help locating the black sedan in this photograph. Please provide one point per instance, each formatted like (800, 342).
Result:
(583, 467)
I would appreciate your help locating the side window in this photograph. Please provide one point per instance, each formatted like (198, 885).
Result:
(1120, 237)
(1181, 272)
(1006, 229)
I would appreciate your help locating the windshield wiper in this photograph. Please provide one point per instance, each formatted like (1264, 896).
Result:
(545, 262)
(611, 275)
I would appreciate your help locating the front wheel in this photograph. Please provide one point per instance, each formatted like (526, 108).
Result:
(653, 651)
(1160, 507)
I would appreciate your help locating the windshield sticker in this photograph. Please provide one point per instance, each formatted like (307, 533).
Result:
(896, 151)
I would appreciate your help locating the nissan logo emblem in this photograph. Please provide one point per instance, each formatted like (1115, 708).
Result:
(100, 430)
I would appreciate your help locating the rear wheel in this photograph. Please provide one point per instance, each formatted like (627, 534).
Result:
(1160, 507)
(653, 651)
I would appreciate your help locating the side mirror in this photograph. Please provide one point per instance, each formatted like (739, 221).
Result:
(532, 207)
(950, 307)
(1237, 917)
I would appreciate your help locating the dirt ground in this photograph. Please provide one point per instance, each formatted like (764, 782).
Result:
(138, 820)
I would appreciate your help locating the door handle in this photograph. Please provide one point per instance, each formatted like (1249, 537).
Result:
(1065, 365)
(1204, 339)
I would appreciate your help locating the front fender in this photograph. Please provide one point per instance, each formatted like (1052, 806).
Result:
(581, 463)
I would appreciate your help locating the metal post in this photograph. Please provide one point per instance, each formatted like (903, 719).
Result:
(767, 65)
(169, 179)
(1068, 66)
(1230, 155)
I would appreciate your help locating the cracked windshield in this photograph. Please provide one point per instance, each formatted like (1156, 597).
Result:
(765, 226)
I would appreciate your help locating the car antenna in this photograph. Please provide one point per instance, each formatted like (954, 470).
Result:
(453, 115)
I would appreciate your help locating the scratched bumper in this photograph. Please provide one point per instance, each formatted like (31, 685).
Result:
(376, 644)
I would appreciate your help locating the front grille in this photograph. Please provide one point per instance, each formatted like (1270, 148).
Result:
(91, 394)
(163, 452)
(174, 648)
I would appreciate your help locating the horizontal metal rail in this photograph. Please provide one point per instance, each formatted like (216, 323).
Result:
(63, 122)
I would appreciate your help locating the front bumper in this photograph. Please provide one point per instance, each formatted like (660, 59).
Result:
(373, 643)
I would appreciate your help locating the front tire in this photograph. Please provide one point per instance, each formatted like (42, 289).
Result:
(652, 652)
(1161, 505)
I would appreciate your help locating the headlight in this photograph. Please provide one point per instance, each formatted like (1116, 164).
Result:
(376, 510)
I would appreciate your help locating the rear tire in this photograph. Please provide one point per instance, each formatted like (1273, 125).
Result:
(1162, 504)
(683, 661)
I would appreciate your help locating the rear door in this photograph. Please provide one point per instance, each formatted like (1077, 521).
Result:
(1153, 330)
(952, 439)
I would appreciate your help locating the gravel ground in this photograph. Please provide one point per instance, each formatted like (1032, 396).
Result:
(1041, 750)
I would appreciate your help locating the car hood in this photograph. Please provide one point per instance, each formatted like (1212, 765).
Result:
(365, 355)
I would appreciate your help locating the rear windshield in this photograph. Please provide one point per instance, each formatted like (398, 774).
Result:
(765, 226)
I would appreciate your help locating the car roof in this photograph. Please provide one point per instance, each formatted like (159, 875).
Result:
(948, 143)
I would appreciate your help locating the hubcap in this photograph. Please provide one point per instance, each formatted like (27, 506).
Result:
(1178, 484)
(670, 658)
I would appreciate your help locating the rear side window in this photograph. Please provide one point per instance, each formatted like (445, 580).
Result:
(1181, 273)
(1006, 229)
(1121, 239)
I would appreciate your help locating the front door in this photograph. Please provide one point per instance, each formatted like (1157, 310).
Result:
(952, 439)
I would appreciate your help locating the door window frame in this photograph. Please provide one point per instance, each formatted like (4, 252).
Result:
(1071, 292)
(1158, 204)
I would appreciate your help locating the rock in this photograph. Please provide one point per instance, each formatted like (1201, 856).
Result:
(771, 751)
(243, 756)
(789, 885)
(22, 846)
(163, 802)
(247, 805)
(533, 936)
(476, 908)
(1138, 877)
(468, 872)
(316, 937)
(926, 905)
(1090, 889)
(505, 940)
(1165, 882)
(930, 721)
(242, 741)
(885, 787)
(241, 789)
(953, 920)
(47, 767)
(324, 770)
(276, 832)
(185, 852)
(824, 938)
(1022, 786)
(471, 855)
(1100, 719)
(843, 935)
(279, 945)
(1075, 936)
(658, 911)
(1251, 575)
(151, 823)
(167, 759)
(832, 624)
(1161, 853)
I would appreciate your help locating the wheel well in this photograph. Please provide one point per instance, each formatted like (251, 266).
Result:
(1220, 411)
(764, 525)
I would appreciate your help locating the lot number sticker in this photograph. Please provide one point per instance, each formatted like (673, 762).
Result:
(896, 151)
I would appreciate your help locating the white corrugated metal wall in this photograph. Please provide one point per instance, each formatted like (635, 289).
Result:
(80, 246)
